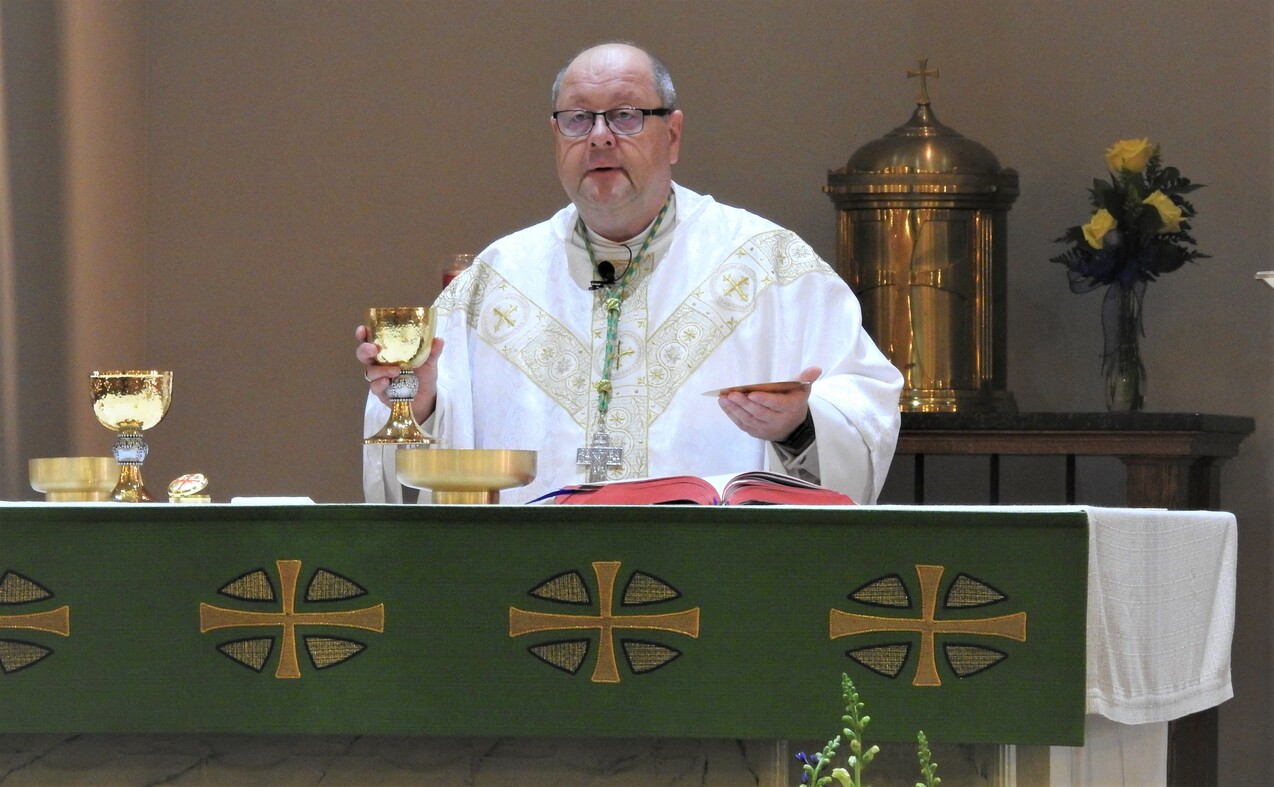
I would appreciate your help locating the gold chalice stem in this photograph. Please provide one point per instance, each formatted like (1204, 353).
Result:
(401, 428)
(130, 451)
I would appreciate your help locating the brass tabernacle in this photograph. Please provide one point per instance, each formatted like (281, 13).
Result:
(74, 479)
(921, 238)
(404, 335)
(128, 403)
(465, 476)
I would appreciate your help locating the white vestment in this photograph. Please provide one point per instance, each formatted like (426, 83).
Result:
(721, 298)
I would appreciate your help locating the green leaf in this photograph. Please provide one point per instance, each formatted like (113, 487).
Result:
(1149, 222)
(1099, 194)
(1113, 201)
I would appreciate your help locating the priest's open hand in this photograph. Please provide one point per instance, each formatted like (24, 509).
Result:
(379, 375)
(770, 416)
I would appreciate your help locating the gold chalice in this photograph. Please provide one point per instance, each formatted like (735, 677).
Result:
(127, 403)
(73, 479)
(470, 476)
(404, 335)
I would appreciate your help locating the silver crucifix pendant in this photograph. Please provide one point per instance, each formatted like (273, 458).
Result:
(599, 455)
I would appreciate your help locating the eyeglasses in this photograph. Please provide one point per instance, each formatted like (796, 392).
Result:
(621, 120)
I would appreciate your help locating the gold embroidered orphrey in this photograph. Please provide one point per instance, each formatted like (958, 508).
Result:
(605, 622)
(848, 624)
(562, 364)
(255, 586)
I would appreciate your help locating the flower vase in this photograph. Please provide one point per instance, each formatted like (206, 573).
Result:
(1125, 373)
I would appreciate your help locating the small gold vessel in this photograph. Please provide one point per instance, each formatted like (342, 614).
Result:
(74, 479)
(465, 476)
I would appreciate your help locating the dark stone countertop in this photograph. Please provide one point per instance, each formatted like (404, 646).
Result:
(1079, 422)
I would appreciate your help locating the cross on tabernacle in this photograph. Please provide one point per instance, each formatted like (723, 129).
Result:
(599, 455)
(923, 73)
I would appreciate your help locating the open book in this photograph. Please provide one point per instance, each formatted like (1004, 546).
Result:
(757, 487)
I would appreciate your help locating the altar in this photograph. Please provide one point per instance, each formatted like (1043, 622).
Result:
(677, 629)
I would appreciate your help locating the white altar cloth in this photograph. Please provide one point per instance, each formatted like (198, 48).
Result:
(1161, 593)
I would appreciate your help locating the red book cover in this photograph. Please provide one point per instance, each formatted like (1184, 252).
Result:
(752, 488)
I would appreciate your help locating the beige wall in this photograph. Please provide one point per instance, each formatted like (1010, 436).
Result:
(220, 187)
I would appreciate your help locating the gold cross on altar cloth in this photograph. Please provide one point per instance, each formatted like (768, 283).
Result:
(606, 622)
(928, 625)
(599, 455)
(923, 72)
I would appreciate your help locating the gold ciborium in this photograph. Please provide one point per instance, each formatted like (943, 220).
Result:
(74, 479)
(128, 403)
(466, 476)
(404, 335)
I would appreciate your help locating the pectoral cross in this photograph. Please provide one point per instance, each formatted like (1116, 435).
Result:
(923, 73)
(599, 455)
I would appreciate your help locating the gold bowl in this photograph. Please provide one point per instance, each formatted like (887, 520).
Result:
(471, 476)
(74, 479)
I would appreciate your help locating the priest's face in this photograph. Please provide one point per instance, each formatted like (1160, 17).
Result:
(618, 182)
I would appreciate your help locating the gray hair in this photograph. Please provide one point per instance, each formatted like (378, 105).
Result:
(658, 72)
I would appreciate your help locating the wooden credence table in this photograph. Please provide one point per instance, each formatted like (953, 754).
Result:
(1173, 459)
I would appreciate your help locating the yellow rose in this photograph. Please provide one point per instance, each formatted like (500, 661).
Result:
(1169, 211)
(1129, 154)
(1097, 227)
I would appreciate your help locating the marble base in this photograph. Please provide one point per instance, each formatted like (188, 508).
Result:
(282, 760)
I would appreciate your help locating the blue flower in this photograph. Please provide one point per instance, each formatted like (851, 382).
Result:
(809, 762)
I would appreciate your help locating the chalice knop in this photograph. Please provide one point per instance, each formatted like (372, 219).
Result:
(404, 335)
(128, 403)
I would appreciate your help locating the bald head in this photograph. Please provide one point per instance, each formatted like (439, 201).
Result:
(659, 76)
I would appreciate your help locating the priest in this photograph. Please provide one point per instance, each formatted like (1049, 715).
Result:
(608, 339)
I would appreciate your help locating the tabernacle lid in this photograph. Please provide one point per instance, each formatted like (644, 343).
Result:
(923, 146)
(923, 156)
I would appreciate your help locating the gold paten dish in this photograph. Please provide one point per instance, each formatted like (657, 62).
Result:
(466, 476)
(779, 387)
(74, 479)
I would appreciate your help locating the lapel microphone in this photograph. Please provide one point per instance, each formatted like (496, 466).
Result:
(606, 270)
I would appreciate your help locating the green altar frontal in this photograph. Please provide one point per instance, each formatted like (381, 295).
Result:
(670, 621)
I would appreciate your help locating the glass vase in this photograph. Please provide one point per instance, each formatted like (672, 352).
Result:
(1125, 373)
